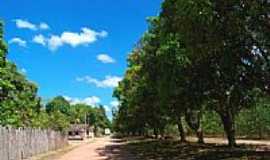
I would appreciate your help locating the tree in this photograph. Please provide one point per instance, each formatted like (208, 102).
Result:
(58, 110)
(137, 94)
(185, 64)
(4, 84)
(3, 46)
(58, 121)
(96, 116)
(102, 119)
(78, 113)
(60, 104)
(19, 102)
(255, 122)
(235, 63)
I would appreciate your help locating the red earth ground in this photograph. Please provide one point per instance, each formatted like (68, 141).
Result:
(107, 148)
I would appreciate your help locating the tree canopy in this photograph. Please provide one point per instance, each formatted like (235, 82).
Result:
(196, 55)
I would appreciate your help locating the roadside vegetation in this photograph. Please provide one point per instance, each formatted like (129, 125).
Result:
(202, 66)
(20, 105)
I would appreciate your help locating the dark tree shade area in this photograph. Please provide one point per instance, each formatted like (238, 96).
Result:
(204, 64)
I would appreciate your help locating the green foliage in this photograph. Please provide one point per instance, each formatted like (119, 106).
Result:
(255, 122)
(62, 114)
(58, 121)
(78, 113)
(185, 63)
(3, 47)
(250, 123)
(101, 119)
(41, 120)
(211, 123)
(20, 102)
(60, 104)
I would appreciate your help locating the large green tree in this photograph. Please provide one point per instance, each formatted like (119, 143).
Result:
(19, 102)
(59, 104)
(223, 41)
(4, 84)
(196, 55)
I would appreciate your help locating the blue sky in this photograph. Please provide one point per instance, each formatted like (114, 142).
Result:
(75, 48)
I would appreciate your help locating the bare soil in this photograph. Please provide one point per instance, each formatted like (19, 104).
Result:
(144, 149)
(105, 148)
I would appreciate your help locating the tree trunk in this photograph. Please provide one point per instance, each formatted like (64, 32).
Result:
(260, 132)
(193, 119)
(181, 130)
(162, 133)
(199, 133)
(156, 133)
(229, 127)
(95, 130)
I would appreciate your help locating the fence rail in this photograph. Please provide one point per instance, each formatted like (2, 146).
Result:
(19, 144)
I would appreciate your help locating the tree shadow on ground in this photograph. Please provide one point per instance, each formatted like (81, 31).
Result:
(116, 151)
(173, 150)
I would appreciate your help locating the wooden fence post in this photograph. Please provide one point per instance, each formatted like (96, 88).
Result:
(22, 143)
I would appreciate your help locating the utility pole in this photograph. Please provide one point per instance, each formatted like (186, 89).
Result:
(85, 125)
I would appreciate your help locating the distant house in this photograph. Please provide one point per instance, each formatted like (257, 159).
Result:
(80, 132)
(107, 131)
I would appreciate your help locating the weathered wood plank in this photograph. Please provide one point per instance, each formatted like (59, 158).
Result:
(18, 144)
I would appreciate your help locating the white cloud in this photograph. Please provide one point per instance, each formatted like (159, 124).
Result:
(54, 42)
(18, 41)
(104, 58)
(114, 103)
(103, 34)
(85, 37)
(108, 82)
(92, 101)
(107, 108)
(40, 39)
(20, 23)
(44, 26)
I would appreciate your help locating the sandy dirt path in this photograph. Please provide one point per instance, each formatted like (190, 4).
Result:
(114, 149)
(88, 151)
(100, 149)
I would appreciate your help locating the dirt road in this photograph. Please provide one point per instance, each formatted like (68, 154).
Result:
(100, 149)
(114, 149)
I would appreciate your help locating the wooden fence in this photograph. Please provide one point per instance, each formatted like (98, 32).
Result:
(18, 144)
